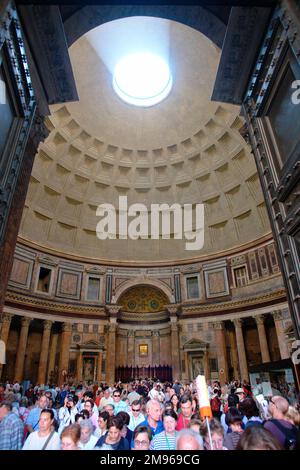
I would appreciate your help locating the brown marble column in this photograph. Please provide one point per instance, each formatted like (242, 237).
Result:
(155, 348)
(265, 355)
(79, 365)
(234, 355)
(206, 366)
(5, 327)
(111, 352)
(110, 368)
(52, 355)
(282, 343)
(130, 348)
(41, 378)
(176, 369)
(241, 349)
(63, 365)
(99, 367)
(19, 368)
(221, 351)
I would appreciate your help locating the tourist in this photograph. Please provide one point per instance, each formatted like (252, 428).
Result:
(249, 409)
(119, 404)
(89, 406)
(70, 437)
(46, 438)
(102, 424)
(105, 400)
(234, 422)
(142, 437)
(187, 439)
(135, 414)
(166, 440)
(33, 419)
(153, 419)
(176, 403)
(67, 413)
(217, 435)
(113, 440)
(11, 428)
(258, 438)
(186, 406)
(87, 439)
(279, 425)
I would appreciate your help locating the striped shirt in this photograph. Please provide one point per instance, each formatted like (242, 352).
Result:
(163, 442)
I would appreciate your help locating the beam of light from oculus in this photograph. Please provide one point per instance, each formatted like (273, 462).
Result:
(142, 79)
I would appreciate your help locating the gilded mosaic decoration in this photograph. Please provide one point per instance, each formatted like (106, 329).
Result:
(143, 299)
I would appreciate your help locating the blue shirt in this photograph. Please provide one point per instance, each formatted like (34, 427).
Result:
(34, 418)
(11, 432)
(159, 428)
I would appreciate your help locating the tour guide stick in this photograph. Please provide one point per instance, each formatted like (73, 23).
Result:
(204, 404)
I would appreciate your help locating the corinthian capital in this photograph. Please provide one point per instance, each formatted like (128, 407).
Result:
(218, 325)
(277, 315)
(6, 317)
(67, 327)
(238, 322)
(260, 319)
(47, 324)
(25, 322)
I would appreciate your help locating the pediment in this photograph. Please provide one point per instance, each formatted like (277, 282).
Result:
(91, 344)
(195, 344)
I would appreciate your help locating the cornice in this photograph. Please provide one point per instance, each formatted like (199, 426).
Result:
(235, 304)
(97, 261)
(52, 306)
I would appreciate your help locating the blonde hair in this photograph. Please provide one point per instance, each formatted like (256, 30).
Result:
(72, 431)
(293, 416)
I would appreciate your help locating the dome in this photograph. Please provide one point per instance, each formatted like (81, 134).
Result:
(187, 149)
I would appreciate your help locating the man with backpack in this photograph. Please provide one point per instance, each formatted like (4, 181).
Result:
(284, 431)
(216, 404)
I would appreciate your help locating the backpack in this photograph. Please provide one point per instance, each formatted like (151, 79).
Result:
(290, 434)
(216, 404)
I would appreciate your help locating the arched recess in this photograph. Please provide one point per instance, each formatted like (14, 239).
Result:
(91, 16)
(120, 291)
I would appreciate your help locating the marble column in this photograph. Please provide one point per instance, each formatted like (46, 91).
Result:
(63, 365)
(265, 355)
(5, 327)
(79, 365)
(155, 348)
(221, 351)
(283, 347)
(111, 352)
(131, 348)
(176, 369)
(241, 349)
(41, 378)
(52, 356)
(206, 365)
(234, 355)
(99, 367)
(19, 368)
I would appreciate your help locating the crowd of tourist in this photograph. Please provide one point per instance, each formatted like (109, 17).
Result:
(144, 415)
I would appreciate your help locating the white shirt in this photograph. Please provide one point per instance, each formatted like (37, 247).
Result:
(90, 444)
(34, 442)
(66, 417)
(135, 420)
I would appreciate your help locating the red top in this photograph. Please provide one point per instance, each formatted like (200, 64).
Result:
(182, 422)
